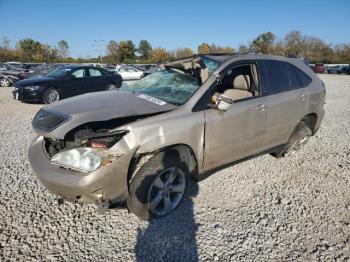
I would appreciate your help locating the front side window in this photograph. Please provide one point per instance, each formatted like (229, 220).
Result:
(167, 85)
(94, 72)
(59, 72)
(79, 73)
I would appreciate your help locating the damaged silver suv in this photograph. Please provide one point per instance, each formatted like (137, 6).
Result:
(141, 144)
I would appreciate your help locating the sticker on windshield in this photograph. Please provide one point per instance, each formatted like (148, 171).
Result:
(152, 99)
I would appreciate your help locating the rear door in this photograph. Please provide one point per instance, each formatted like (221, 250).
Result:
(97, 79)
(287, 101)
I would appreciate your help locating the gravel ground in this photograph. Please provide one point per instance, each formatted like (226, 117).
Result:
(289, 209)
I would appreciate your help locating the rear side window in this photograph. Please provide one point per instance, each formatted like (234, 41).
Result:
(276, 77)
(298, 78)
(94, 72)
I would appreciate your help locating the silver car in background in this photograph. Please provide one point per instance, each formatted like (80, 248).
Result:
(129, 72)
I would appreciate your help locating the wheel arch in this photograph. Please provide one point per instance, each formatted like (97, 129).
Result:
(310, 120)
(186, 154)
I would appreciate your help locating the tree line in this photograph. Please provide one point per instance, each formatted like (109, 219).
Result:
(294, 43)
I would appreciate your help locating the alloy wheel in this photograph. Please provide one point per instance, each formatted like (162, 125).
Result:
(166, 191)
(4, 82)
(52, 96)
(296, 146)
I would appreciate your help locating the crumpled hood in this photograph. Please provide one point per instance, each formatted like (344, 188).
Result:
(99, 106)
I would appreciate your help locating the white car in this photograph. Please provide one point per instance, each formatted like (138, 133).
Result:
(130, 73)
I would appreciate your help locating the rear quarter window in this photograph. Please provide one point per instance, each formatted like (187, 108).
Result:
(298, 78)
(276, 77)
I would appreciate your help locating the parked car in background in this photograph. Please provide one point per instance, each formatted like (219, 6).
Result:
(130, 73)
(345, 70)
(42, 71)
(10, 70)
(64, 82)
(109, 67)
(320, 68)
(143, 143)
(7, 80)
(151, 69)
(334, 69)
(18, 65)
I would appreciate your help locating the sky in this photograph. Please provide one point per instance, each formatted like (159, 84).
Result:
(170, 24)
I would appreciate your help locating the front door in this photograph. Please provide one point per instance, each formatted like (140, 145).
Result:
(76, 83)
(236, 133)
(240, 131)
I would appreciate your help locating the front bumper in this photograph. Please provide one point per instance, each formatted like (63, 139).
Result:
(103, 185)
(26, 95)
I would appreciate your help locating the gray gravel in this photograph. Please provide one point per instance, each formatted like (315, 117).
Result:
(262, 209)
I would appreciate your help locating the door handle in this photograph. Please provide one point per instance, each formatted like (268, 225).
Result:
(260, 107)
(302, 97)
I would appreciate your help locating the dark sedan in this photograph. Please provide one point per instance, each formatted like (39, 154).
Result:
(64, 82)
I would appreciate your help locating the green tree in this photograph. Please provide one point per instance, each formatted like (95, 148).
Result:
(112, 51)
(183, 52)
(63, 49)
(294, 43)
(264, 43)
(225, 49)
(159, 55)
(342, 53)
(29, 47)
(316, 50)
(126, 51)
(242, 49)
(53, 54)
(203, 48)
(5, 51)
(145, 49)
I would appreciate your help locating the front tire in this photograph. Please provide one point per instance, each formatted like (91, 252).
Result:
(51, 95)
(158, 187)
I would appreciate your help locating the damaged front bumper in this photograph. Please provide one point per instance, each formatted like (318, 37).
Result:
(104, 185)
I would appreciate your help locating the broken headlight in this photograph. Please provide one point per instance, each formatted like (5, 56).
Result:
(83, 159)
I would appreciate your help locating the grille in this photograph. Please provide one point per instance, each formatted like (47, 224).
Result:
(47, 121)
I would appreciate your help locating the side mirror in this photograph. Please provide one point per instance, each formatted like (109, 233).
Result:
(224, 103)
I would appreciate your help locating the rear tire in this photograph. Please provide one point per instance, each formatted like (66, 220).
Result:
(297, 140)
(51, 95)
(159, 186)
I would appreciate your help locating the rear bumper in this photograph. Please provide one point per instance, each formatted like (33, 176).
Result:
(103, 185)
